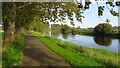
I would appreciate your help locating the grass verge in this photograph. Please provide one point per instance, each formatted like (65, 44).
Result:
(79, 55)
(12, 54)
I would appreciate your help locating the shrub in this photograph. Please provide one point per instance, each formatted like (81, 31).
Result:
(103, 29)
(65, 29)
(74, 31)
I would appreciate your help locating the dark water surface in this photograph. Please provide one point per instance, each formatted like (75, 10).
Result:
(92, 41)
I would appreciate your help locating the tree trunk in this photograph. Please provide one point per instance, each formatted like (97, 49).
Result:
(9, 33)
(18, 31)
(9, 26)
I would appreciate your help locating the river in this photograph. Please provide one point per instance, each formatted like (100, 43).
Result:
(92, 41)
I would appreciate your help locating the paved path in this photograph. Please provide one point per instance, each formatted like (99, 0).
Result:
(35, 53)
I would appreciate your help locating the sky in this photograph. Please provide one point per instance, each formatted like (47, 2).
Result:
(91, 17)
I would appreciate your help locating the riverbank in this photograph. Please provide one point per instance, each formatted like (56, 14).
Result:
(79, 55)
(89, 32)
(1, 40)
(114, 34)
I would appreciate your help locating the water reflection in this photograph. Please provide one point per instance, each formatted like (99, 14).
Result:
(55, 33)
(92, 42)
(65, 36)
(73, 36)
(103, 41)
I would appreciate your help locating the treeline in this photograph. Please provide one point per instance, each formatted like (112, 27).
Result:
(65, 29)
(103, 29)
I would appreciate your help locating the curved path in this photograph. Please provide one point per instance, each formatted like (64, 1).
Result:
(35, 53)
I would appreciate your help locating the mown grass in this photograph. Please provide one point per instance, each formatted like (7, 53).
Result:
(12, 55)
(79, 55)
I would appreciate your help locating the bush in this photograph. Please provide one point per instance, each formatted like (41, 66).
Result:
(74, 31)
(103, 29)
(65, 29)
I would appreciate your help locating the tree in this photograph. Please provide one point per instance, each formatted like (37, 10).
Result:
(65, 29)
(74, 31)
(78, 27)
(56, 29)
(103, 29)
(16, 15)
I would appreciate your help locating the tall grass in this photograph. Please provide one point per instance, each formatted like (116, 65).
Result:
(79, 55)
(12, 55)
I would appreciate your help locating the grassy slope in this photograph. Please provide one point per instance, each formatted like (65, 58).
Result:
(12, 55)
(78, 55)
(1, 48)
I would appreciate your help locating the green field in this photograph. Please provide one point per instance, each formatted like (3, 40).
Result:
(1, 48)
(79, 55)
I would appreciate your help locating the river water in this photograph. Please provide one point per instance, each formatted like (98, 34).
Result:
(92, 41)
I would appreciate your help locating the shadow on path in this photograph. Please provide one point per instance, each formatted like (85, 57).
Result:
(35, 53)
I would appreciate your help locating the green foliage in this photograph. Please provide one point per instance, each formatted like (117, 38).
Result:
(79, 55)
(86, 31)
(56, 29)
(100, 10)
(12, 55)
(38, 26)
(103, 29)
(18, 15)
(74, 31)
(65, 29)
(25, 12)
(112, 5)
